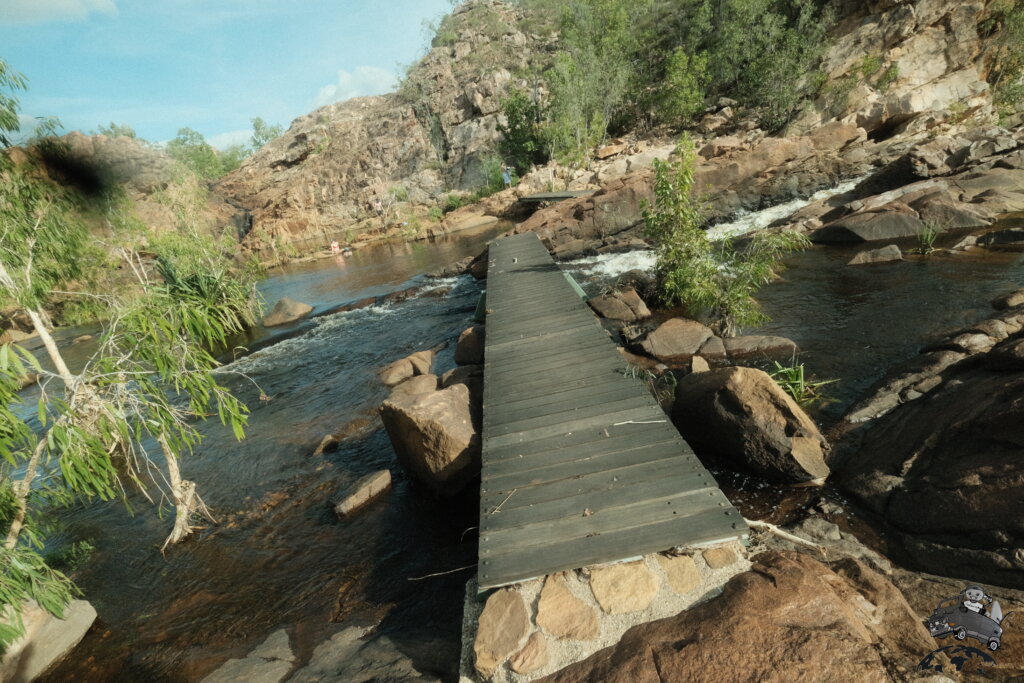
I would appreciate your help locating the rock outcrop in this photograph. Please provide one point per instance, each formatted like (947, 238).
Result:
(789, 618)
(935, 447)
(742, 416)
(286, 311)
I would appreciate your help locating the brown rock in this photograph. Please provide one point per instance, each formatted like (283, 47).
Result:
(363, 492)
(682, 572)
(609, 151)
(610, 307)
(742, 415)
(415, 386)
(501, 630)
(625, 587)
(470, 348)
(676, 340)
(758, 345)
(418, 363)
(713, 348)
(1008, 356)
(46, 640)
(883, 255)
(562, 614)
(286, 311)
(833, 136)
(1009, 300)
(871, 226)
(14, 336)
(434, 436)
(698, 364)
(532, 657)
(422, 361)
(635, 303)
(460, 375)
(791, 618)
(719, 558)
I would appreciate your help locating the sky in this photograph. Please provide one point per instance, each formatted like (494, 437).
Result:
(209, 65)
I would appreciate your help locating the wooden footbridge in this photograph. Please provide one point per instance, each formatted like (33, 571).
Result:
(543, 197)
(580, 464)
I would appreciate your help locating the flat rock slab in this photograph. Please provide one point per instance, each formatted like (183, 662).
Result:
(269, 663)
(47, 640)
(503, 626)
(683, 575)
(883, 255)
(562, 614)
(363, 492)
(622, 588)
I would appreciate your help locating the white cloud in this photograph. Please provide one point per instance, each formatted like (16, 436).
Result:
(225, 140)
(35, 11)
(363, 80)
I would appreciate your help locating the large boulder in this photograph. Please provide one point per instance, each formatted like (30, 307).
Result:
(470, 348)
(286, 311)
(790, 618)
(744, 417)
(435, 437)
(625, 306)
(676, 340)
(46, 641)
(759, 346)
(882, 255)
(419, 363)
(270, 662)
(871, 226)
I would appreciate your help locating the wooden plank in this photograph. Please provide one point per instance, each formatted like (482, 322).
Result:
(539, 405)
(642, 413)
(579, 437)
(564, 415)
(529, 351)
(522, 564)
(600, 357)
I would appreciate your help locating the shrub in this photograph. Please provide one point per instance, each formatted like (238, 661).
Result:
(521, 143)
(713, 280)
(682, 91)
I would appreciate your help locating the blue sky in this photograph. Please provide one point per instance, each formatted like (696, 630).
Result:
(211, 65)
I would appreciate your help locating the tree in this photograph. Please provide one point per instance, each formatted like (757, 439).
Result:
(125, 418)
(682, 90)
(191, 149)
(117, 130)
(262, 133)
(521, 144)
(714, 280)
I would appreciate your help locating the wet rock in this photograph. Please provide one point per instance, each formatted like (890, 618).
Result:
(883, 255)
(328, 444)
(501, 630)
(460, 375)
(676, 340)
(886, 394)
(470, 348)
(419, 363)
(744, 417)
(46, 641)
(683, 575)
(416, 386)
(758, 345)
(82, 338)
(363, 491)
(533, 656)
(870, 226)
(285, 311)
(269, 663)
(452, 270)
(351, 658)
(1008, 356)
(610, 307)
(435, 437)
(1009, 300)
(839, 622)
(1012, 238)
(719, 558)
(562, 614)
(625, 587)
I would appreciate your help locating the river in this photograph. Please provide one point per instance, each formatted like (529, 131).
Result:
(278, 556)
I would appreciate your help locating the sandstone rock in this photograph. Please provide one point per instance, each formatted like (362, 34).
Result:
(470, 348)
(1008, 356)
(683, 575)
(434, 436)
(501, 630)
(840, 622)
(14, 336)
(609, 151)
(562, 614)
(416, 386)
(82, 338)
(625, 587)
(46, 640)
(941, 209)
(532, 657)
(363, 491)
(698, 364)
(676, 340)
(886, 394)
(610, 307)
(1009, 300)
(756, 345)
(286, 311)
(718, 146)
(835, 135)
(419, 363)
(870, 226)
(713, 348)
(635, 303)
(269, 663)
(742, 415)
(351, 657)
(460, 375)
(718, 558)
(883, 255)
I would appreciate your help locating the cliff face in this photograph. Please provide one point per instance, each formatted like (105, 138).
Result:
(406, 148)
(898, 69)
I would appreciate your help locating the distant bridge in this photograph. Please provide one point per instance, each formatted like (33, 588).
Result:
(554, 196)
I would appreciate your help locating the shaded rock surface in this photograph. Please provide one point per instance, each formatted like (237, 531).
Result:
(789, 618)
(46, 641)
(285, 311)
(435, 436)
(271, 662)
(742, 416)
(348, 657)
(883, 255)
(362, 492)
(470, 348)
(419, 363)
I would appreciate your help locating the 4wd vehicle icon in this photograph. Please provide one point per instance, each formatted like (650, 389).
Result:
(967, 615)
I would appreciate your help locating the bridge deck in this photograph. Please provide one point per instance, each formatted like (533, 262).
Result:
(580, 464)
(554, 196)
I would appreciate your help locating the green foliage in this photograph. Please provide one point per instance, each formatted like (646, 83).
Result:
(926, 237)
(713, 280)
(262, 133)
(10, 82)
(232, 156)
(888, 77)
(400, 193)
(493, 182)
(117, 130)
(435, 213)
(806, 392)
(662, 386)
(684, 86)
(191, 149)
(1007, 73)
(521, 142)
(869, 66)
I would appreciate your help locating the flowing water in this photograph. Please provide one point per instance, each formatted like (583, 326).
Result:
(278, 556)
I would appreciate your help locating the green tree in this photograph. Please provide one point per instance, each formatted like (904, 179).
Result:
(682, 90)
(117, 130)
(125, 418)
(191, 149)
(262, 133)
(521, 143)
(713, 280)
(1007, 72)
(232, 156)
